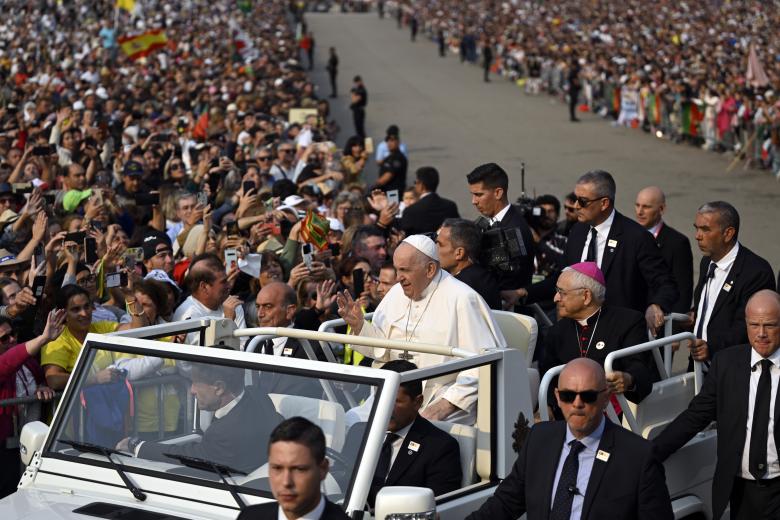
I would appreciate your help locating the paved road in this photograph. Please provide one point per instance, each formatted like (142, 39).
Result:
(452, 120)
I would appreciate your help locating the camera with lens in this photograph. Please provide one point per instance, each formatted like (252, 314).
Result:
(502, 249)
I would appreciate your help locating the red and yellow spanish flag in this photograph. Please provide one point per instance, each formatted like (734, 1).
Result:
(143, 44)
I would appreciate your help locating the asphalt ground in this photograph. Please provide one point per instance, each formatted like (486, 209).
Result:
(451, 119)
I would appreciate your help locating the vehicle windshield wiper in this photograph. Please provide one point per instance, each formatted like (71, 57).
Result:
(86, 447)
(213, 467)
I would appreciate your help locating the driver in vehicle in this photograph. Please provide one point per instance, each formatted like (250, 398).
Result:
(240, 419)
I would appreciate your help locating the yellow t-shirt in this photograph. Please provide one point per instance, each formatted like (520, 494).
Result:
(146, 400)
(64, 350)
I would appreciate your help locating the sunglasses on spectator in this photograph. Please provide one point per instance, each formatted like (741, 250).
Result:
(285, 150)
(266, 158)
(87, 279)
(587, 396)
(176, 166)
(6, 337)
(584, 203)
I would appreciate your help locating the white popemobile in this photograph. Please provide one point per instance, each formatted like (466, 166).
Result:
(187, 471)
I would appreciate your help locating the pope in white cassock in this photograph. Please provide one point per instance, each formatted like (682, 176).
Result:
(428, 305)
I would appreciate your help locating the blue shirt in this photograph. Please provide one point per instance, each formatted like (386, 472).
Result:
(108, 36)
(382, 152)
(586, 458)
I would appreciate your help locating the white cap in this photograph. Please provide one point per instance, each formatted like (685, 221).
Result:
(160, 276)
(101, 93)
(232, 107)
(424, 245)
(78, 105)
(293, 200)
(335, 224)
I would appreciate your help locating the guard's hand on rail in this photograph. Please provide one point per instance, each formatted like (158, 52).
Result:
(44, 393)
(619, 382)
(654, 316)
(700, 351)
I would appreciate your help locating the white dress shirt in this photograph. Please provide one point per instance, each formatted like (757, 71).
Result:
(714, 285)
(398, 442)
(193, 309)
(314, 514)
(773, 464)
(500, 215)
(586, 458)
(602, 232)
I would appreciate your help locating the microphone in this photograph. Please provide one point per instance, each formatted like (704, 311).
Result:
(573, 490)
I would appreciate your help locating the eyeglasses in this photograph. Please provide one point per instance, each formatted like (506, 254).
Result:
(176, 166)
(6, 337)
(285, 150)
(87, 279)
(263, 159)
(587, 396)
(584, 203)
(564, 292)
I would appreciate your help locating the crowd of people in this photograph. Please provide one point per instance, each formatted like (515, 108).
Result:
(201, 178)
(679, 71)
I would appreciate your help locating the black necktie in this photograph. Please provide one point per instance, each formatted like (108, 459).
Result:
(567, 483)
(759, 431)
(268, 347)
(382, 467)
(592, 247)
(710, 276)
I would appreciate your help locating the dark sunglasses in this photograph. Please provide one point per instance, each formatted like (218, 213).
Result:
(176, 166)
(283, 150)
(584, 203)
(587, 396)
(6, 337)
(263, 159)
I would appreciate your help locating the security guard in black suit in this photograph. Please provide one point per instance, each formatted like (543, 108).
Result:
(427, 214)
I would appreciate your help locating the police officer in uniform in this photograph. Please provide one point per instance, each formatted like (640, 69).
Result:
(392, 170)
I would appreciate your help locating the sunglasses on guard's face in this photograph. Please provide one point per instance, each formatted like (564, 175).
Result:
(587, 396)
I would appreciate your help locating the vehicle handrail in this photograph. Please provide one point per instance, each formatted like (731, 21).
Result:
(644, 347)
(165, 329)
(425, 348)
(665, 364)
(330, 326)
(28, 399)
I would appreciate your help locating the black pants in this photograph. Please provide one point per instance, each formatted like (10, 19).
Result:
(359, 118)
(574, 96)
(486, 70)
(751, 500)
(333, 89)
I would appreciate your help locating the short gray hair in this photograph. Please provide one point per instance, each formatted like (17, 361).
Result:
(602, 182)
(727, 214)
(598, 291)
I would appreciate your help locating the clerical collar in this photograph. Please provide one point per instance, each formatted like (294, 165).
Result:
(590, 319)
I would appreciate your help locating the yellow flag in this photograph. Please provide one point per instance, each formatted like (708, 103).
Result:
(127, 5)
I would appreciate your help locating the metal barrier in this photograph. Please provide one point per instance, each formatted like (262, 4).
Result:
(544, 386)
(168, 329)
(644, 347)
(665, 365)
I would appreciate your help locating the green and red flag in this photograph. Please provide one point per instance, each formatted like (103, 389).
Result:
(314, 230)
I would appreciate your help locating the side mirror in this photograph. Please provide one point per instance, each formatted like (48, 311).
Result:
(405, 503)
(31, 440)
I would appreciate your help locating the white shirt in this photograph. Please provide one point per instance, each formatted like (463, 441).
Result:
(192, 309)
(448, 313)
(279, 344)
(314, 514)
(602, 232)
(222, 412)
(500, 215)
(398, 442)
(586, 458)
(656, 229)
(714, 285)
(279, 172)
(773, 469)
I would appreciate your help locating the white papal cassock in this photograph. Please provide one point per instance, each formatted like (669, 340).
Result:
(449, 313)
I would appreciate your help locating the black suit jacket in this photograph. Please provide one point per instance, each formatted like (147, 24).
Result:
(233, 440)
(617, 328)
(630, 484)
(522, 277)
(723, 398)
(633, 267)
(277, 383)
(427, 214)
(435, 464)
(749, 274)
(270, 510)
(676, 251)
(484, 282)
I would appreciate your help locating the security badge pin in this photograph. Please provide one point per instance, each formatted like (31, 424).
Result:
(413, 447)
(287, 351)
(727, 286)
(600, 345)
(602, 455)
(612, 243)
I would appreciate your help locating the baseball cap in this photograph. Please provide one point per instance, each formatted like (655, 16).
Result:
(161, 276)
(8, 259)
(293, 200)
(150, 242)
(73, 198)
(133, 168)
